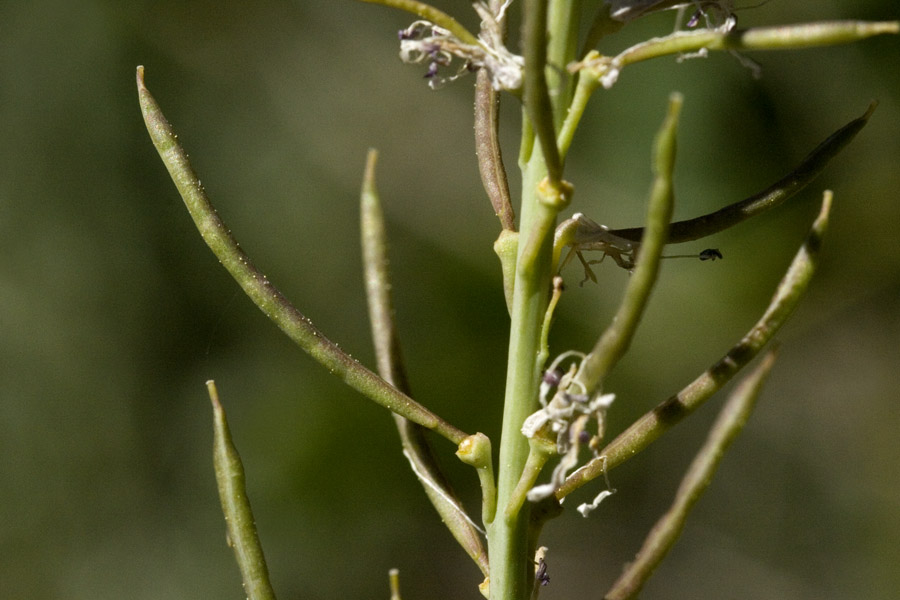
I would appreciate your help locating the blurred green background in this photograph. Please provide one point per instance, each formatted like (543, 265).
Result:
(113, 313)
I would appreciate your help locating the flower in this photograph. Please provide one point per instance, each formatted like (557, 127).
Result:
(423, 42)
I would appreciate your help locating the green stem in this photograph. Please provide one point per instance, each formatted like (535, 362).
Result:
(583, 91)
(544, 194)
(558, 287)
(807, 35)
(506, 247)
(239, 519)
(269, 300)
(476, 451)
(540, 451)
(563, 21)
(536, 95)
(508, 535)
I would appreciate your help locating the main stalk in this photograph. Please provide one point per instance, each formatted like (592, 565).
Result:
(549, 34)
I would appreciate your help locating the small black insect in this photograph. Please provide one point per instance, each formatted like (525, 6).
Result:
(710, 254)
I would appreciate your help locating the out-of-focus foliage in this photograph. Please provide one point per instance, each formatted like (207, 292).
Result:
(113, 314)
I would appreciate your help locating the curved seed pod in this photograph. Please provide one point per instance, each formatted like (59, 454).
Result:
(261, 291)
(720, 220)
(390, 365)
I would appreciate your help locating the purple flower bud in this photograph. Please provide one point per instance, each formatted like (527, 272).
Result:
(553, 377)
